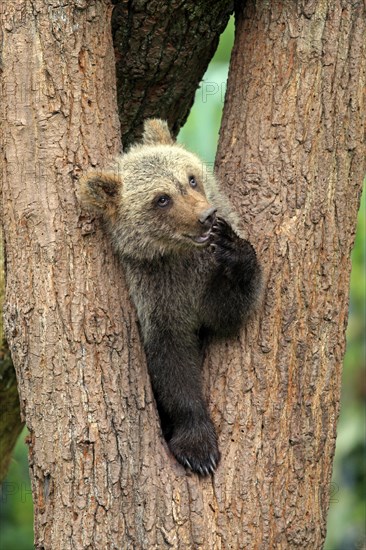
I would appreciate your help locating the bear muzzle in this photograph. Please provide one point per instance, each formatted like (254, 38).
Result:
(207, 217)
(206, 220)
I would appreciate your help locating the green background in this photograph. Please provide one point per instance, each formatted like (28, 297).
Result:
(347, 514)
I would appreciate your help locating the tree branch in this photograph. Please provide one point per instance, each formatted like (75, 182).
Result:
(162, 52)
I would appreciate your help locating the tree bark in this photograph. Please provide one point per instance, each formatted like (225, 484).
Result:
(102, 476)
(162, 51)
(292, 157)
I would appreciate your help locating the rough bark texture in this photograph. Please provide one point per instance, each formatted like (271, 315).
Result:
(291, 157)
(162, 51)
(10, 423)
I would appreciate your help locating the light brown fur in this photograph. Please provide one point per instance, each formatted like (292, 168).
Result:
(150, 169)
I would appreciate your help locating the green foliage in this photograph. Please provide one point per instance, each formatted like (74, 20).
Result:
(16, 510)
(201, 131)
(347, 513)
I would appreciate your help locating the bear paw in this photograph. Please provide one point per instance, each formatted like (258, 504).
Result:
(196, 448)
(236, 255)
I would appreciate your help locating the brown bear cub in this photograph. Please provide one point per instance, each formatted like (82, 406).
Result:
(191, 277)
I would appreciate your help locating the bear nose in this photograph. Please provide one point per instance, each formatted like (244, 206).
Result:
(207, 217)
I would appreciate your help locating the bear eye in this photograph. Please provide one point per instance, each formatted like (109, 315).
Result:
(192, 181)
(163, 201)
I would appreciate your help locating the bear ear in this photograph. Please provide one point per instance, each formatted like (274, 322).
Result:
(100, 190)
(156, 132)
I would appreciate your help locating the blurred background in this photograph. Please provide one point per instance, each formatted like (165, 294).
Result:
(347, 514)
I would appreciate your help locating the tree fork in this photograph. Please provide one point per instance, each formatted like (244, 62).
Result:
(159, 67)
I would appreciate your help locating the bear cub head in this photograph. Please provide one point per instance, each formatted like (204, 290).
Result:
(157, 199)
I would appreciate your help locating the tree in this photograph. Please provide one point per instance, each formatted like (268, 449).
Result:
(291, 156)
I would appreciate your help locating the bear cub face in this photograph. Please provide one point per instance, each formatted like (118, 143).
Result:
(156, 200)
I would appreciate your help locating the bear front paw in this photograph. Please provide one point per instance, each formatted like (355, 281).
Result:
(196, 448)
(225, 243)
(237, 256)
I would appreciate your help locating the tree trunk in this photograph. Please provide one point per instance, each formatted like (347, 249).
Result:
(102, 476)
(292, 157)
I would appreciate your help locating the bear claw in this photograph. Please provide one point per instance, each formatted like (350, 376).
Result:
(195, 452)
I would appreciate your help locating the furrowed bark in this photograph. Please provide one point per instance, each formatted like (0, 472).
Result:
(292, 156)
(158, 71)
(67, 327)
(162, 51)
